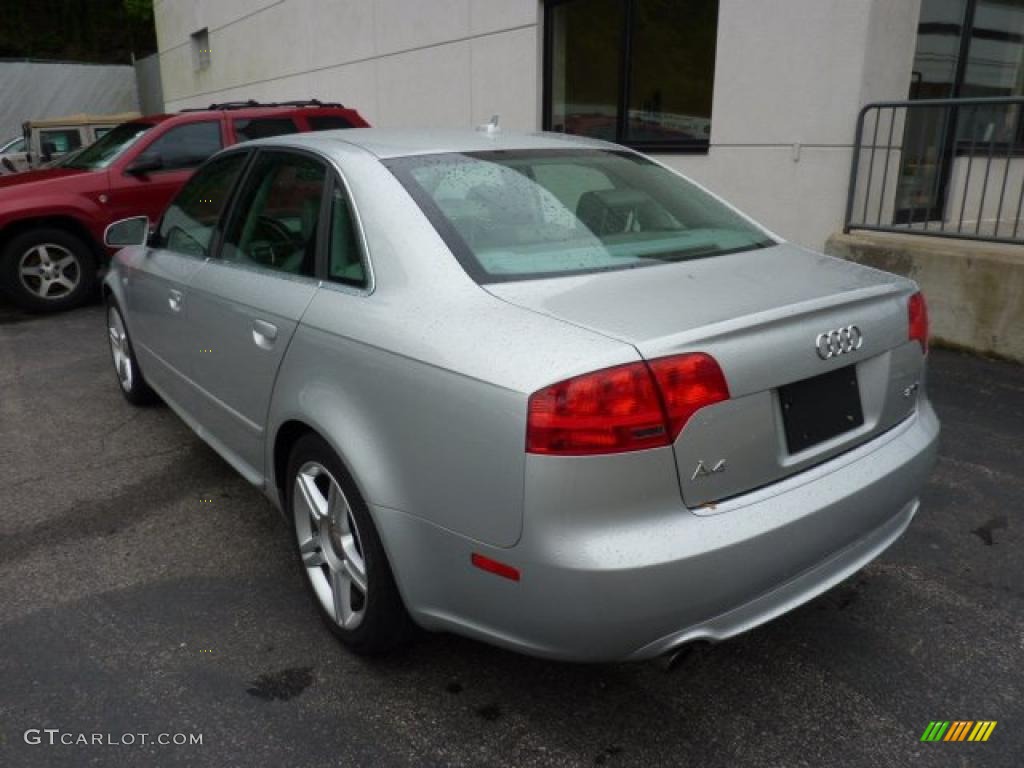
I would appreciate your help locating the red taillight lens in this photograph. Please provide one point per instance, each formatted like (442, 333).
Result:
(625, 408)
(688, 383)
(917, 311)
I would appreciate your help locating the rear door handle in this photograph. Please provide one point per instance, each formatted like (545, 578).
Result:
(174, 298)
(263, 334)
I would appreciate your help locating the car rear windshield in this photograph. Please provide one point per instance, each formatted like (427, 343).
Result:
(107, 149)
(524, 214)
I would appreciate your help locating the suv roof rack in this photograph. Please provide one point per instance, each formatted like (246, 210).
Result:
(252, 104)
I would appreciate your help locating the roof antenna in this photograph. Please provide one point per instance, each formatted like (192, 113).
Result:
(491, 127)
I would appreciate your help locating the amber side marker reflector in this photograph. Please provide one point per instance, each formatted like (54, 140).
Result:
(493, 566)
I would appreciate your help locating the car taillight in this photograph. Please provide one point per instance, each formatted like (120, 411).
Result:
(917, 310)
(688, 383)
(626, 408)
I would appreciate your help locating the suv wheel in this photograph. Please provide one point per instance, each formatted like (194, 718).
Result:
(48, 270)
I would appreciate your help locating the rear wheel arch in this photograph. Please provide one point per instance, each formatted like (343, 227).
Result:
(286, 437)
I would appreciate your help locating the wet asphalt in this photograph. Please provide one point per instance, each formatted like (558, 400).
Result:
(146, 588)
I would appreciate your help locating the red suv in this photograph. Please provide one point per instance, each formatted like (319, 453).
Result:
(52, 220)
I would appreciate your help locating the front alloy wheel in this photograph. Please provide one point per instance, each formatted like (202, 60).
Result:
(49, 271)
(126, 367)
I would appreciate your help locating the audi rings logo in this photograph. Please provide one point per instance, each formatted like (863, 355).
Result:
(838, 342)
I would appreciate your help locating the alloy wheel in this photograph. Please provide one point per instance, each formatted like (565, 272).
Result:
(119, 348)
(330, 545)
(49, 271)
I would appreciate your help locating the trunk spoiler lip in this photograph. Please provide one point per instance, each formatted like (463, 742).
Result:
(724, 329)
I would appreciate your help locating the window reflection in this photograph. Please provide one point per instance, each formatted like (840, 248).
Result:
(639, 72)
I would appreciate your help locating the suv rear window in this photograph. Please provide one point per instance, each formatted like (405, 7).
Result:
(263, 127)
(521, 214)
(327, 122)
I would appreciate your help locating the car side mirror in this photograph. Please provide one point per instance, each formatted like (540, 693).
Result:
(145, 163)
(133, 231)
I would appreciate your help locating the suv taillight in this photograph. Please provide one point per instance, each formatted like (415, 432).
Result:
(917, 311)
(626, 408)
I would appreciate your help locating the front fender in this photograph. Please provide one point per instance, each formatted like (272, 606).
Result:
(85, 213)
(117, 280)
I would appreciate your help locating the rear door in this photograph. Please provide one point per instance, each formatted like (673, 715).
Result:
(247, 302)
(157, 290)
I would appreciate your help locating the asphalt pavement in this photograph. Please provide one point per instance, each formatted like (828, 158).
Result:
(145, 588)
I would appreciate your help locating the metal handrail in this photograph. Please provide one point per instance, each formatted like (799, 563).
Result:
(947, 140)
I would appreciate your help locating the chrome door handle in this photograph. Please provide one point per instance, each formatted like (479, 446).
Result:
(174, 299)
(263, 334)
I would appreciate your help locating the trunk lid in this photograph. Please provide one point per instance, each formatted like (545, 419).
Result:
(759, 314)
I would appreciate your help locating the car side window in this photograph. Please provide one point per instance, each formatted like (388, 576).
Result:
(274, 221)
(345, 262)
(59, 141)
(188, 225)
(187, 146)
(327, 122)
(247, 129)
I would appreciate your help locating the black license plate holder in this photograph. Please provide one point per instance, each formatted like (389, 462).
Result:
(819, 408)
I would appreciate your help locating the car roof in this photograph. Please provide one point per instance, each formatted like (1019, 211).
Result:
(391, 142)
(84, 119)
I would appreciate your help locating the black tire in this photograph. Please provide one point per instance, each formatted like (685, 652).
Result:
(129, 376)
(385, 624)
(27, 290)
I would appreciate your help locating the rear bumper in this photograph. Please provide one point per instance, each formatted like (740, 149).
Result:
(657, 579)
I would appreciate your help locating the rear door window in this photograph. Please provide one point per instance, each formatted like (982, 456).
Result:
(275, 220)
(247, 129)
(187, 146)
(345, 262)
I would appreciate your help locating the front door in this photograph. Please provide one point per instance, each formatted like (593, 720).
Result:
(157, 290)
(180, 150)
(248, 300)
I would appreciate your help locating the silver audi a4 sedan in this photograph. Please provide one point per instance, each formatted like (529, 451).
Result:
(537, 390)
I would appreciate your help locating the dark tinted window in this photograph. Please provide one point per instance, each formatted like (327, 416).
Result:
(345, 263)
(187, 146)
(263, 127)
(327, 122)
(274, 223)
(190, 221)
(654, 92)
(59, 141)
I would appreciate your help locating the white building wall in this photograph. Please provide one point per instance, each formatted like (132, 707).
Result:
(400, 62)
(790, 78)
(36, 90)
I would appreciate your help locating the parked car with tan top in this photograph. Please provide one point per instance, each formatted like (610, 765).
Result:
(47, 140)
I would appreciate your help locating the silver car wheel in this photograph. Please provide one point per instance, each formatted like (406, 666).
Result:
(330, 545)
(119, 349)
(49, 271)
